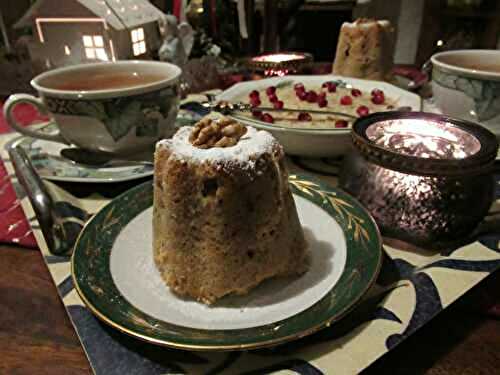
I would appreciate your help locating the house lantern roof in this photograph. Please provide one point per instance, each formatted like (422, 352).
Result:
(119, 14)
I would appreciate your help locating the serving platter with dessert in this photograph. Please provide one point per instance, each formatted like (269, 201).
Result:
(225, 250)
(306, 131)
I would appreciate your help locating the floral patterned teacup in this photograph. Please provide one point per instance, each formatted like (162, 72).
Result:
(466, 84)
(123, 117)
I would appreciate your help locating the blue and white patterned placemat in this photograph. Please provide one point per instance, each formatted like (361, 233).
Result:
(412, 288)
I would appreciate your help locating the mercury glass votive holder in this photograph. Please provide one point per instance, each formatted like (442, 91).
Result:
(427, 179)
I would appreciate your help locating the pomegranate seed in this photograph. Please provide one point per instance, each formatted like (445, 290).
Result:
(341, 124)
(346, 100)
(254, 94)
(330, 86)
(278, 104)
(270, 90)
(321, 96)
(299, 87)
(266, 117)
(362, 110)
(304, 116)
(273, 98)
(376, 92)
(312, 96)
(322, 103)
(302, 95)
(378, 99)
(255, 102)
(356, 92)
(257, 114)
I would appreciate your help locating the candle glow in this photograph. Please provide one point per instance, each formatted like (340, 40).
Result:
(279, 64)
(424, 139)
(276, 72)
(425, 178)
(279, 57)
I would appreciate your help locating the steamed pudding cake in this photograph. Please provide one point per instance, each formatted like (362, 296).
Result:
(365, 49)
(224, 216)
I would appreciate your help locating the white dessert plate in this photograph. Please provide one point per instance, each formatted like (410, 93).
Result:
(114, 274)
(308, 141)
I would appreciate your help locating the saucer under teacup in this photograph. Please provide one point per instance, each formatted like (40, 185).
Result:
(46, 159)
(50, 165)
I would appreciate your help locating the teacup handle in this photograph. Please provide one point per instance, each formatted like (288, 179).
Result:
(16, 99)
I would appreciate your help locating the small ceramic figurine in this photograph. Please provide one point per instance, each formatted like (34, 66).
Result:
(178, 41)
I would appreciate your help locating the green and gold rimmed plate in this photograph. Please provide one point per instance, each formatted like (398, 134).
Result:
(114, 274)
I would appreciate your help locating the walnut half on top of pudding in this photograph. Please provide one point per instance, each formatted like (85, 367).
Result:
(224, 216)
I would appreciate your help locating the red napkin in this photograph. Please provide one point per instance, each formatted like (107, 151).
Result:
(14, 227)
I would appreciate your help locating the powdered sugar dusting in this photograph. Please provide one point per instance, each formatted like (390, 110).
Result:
(366, 23)
(135, 275)
(245, 153)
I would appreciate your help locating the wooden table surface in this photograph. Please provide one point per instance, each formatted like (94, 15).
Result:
(36, 336)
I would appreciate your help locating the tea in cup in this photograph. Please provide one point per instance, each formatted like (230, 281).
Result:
(119, 107)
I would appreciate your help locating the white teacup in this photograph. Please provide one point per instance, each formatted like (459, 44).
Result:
(119, 107)
(466, 84)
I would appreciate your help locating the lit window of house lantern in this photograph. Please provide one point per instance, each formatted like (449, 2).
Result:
(74, 31)
(94, 47)
(138, 41)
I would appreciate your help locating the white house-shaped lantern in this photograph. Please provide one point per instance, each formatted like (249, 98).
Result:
(74, 31)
